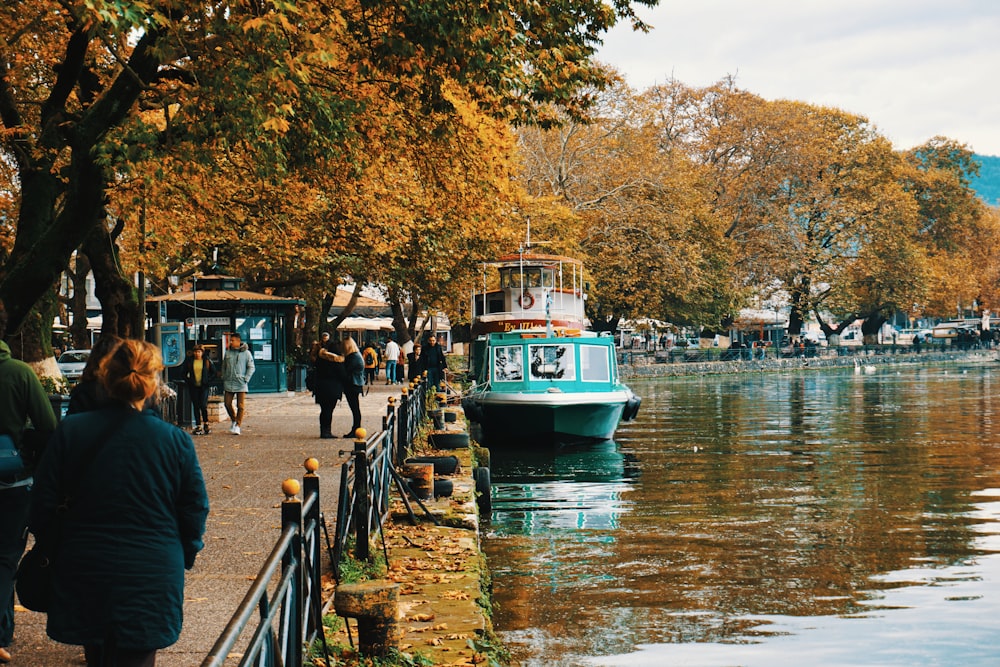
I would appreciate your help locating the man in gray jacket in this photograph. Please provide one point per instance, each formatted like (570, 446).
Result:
(237, 368)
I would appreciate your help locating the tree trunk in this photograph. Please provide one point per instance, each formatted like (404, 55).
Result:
(119, 301)
(399, 324)
(42, 246)
(799, 307)
(32, 342)
(46, 240)
(78, 302)
(870, 328)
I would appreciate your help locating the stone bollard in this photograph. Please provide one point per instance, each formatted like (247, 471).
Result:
(375, 605)
(422, 475)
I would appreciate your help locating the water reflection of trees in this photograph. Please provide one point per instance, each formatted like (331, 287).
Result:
(769, 495)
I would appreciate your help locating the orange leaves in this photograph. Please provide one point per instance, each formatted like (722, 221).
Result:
(277, 125)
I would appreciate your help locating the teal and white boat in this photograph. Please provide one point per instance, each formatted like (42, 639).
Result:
(559, 385)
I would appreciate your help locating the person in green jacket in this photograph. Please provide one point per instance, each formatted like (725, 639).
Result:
(136, 518)
(21, 399)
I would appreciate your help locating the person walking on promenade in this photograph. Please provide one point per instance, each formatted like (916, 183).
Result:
(401, 365)
(371, 364)
(237, 369)
(199, 373)
(391, 357)
(21, 398)
(354, 370)
(415, 363)
(88, 394)
(329, 385)
(135, 520)
(434, 362)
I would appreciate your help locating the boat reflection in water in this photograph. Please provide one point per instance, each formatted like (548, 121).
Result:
(535, 491)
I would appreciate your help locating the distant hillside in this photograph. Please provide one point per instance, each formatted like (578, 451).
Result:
(987, 186)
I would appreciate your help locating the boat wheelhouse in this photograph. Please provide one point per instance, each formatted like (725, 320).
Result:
(525, 291)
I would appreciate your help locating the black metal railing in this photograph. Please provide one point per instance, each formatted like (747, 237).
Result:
(283, 610)
(288, 618)
(367, 477)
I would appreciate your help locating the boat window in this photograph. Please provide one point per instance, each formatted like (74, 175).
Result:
(552, 362)
(510, 278)
(508, 363)
(594, 365)
(533, 278)
(548, 278)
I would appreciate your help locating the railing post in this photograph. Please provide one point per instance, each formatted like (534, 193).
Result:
(314, 545)
(391, 456)
(362, 501)
(343, 520)
(403, 426)
(291, 514)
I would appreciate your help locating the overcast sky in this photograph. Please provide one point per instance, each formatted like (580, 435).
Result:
(914, 68)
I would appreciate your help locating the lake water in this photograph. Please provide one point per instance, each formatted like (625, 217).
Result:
(822, 518)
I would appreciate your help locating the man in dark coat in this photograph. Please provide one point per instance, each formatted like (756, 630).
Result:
(21, 398)
(434, 362)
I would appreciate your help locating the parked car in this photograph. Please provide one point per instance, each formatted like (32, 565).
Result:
(906, 336)
(71, 363)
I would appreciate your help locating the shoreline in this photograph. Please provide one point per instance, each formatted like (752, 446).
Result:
(648, 368)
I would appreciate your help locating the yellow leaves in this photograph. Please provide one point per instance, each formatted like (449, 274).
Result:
(254, 23)
(421, 618)
(455, 595)
(279, 123)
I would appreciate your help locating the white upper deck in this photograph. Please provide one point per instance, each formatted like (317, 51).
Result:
(527, 289)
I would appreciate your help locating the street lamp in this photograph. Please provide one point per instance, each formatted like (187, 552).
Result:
(194, 289)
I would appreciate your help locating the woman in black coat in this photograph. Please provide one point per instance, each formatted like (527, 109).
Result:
(329, 385)
(415, 363)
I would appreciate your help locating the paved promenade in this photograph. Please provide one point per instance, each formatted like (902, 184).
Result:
(243, 475)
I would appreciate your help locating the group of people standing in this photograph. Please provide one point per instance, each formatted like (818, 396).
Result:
(116, 501)
(343, 371)
(411, 365)
(340, 373)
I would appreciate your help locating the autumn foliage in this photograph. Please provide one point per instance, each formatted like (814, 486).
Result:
(699, 201)
(400, 144)
(309, 141)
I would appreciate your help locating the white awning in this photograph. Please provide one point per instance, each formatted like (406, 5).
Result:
(366, 324)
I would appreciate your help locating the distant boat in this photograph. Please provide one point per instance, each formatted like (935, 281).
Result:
(560, 386)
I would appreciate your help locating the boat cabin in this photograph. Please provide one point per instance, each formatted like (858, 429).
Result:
(569, 360)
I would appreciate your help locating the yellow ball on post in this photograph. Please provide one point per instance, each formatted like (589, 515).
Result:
(290, 487)
(311, 464)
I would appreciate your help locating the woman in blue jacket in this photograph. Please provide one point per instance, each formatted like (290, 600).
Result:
(354, 369)
(137, 511)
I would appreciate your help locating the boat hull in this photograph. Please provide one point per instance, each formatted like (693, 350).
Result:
(509, 419)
